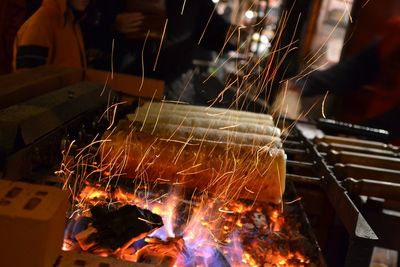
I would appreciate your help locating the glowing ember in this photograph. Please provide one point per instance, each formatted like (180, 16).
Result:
(207, 233)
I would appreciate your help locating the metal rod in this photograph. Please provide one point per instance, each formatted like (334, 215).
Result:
(346, 210)
(303, 164)
(356, 142)
(325, 147)
(295, 151)
(364, 159)
(291, 143)
(343, 171)
(303, 179)
(373, 188)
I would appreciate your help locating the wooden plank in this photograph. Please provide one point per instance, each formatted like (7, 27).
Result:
(128, 84)
(25, 123)
(23, 85)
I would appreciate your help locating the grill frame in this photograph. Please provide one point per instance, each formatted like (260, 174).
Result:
(361, 236)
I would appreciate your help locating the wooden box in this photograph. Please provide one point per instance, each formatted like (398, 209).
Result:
(24, 85)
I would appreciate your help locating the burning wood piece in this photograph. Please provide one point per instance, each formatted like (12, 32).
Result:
(263, 236)
(234, 233)
(157, 250)
(86, 238)
(117, 230)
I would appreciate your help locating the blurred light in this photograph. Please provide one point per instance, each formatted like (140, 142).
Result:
(249, 14)
(256, 36)
(215, 1)
(264, 39)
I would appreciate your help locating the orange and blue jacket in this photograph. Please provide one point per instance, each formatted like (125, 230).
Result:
(51, 36)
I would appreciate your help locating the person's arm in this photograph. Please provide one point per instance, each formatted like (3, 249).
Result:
(129, 23)
(349, 74)
(33, 44)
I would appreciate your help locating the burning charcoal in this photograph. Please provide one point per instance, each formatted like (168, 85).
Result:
(86, 238)
(259, 219)
(218, 260)
(76, 225)
(213, 258)
(161, 252)
(118, 228)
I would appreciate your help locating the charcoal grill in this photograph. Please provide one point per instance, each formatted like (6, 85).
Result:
(299, 171)
(307, 166)
(311, 172)
(360, 178)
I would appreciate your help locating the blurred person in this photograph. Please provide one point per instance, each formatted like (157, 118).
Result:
(198, 26)
(52, 36)
(186, 25)
(111, 29)
(369, 82)
(105, 29)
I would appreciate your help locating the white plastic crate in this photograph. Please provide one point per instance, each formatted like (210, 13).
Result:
(32, 224)
(70, 259)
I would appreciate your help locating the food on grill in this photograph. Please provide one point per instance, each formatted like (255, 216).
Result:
(194, 124)
(203, 112)
(229, 170)
(209, 110)
(184, 133)
(229, 163)
(205, 122)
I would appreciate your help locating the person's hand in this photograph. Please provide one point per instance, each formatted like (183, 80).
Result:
(287, 102)
(129, 23)
(93, 54)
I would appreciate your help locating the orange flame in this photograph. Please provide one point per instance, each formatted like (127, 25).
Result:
(209, 226)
